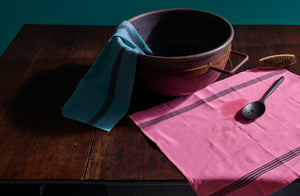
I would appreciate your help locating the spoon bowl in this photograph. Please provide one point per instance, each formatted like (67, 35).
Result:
(256, 109)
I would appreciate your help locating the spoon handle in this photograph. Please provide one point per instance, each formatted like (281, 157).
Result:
(272, 89)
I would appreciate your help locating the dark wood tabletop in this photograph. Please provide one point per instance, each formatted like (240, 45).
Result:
(39, 71)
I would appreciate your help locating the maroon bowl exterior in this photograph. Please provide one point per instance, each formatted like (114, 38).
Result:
(179, 86)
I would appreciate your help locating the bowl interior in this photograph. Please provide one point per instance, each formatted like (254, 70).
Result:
(182, 32)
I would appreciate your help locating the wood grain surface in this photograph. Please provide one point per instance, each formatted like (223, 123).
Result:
(39, 71)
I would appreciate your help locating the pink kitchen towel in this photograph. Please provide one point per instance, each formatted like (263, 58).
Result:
(219, 151)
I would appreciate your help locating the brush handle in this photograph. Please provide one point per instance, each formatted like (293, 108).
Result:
(272, 89)
(277, 61)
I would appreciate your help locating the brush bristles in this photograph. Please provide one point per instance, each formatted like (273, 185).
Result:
(277, 61)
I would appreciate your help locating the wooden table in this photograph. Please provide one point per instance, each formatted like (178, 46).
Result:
(39, 71)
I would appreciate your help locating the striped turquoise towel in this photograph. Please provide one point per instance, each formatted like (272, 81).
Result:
(102, 96)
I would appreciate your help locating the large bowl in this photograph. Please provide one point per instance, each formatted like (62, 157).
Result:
(191, 48)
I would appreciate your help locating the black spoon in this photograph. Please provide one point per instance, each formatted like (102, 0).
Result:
(256, 109)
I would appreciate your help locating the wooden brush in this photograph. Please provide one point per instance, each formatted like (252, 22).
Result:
(277, 61)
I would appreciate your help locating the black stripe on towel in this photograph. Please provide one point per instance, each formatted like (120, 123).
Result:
(208, 99)
(252, 176)
(111, 89)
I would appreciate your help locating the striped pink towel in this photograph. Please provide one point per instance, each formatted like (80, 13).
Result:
(220, 152)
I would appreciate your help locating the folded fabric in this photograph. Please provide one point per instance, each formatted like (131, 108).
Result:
(103, 95)
(219, 151)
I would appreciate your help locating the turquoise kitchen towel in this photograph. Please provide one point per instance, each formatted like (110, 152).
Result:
(102, 96)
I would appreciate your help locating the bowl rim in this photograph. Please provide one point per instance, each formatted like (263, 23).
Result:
(203, 54)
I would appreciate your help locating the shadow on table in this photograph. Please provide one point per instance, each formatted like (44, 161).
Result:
(36, 105)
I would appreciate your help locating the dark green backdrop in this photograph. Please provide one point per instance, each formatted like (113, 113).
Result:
(15, 13)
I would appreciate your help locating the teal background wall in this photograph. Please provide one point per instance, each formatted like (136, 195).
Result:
(15, 13)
